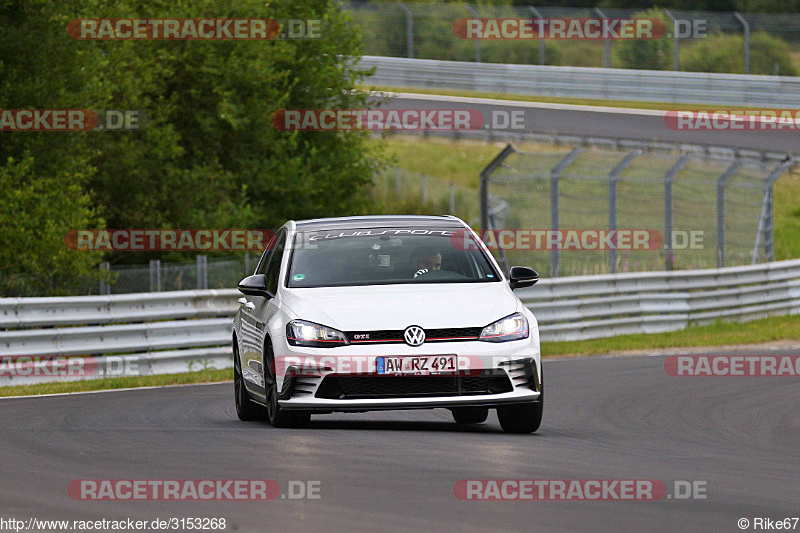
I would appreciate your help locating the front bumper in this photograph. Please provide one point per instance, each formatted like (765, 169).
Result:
(507, 373)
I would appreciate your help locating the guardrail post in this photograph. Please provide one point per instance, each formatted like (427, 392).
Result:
(607, 45)
(105, 288)
(721, 210)
(541, 41)
(675, 55)
(409, 30)
(765, 229)
(155, 275)
(669, 256)
(202, 272)
(555, 174)
(612, 202)
(746, 26)
(477, 39)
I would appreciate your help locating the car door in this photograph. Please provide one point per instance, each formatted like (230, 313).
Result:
(259, 312)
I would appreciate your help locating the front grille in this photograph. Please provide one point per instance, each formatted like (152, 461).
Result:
(360, 387)
(395, 336)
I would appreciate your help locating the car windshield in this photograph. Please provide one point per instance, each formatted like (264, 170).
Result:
(382, 256)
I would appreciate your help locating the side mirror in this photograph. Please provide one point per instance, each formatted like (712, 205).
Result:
(254, 286)
(522, 277)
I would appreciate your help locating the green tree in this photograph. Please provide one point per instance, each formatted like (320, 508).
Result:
(651, 54)
(209, 155)
(43, 175)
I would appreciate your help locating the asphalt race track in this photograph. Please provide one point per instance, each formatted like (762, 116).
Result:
(581, 120)
(605, 418)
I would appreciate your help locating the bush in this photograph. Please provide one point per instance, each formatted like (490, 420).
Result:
(725, 53)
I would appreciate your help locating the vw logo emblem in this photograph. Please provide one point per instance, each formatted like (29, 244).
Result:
(414, 335)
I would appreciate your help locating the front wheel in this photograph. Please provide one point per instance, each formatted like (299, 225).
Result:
(521, 417)
(277, 417)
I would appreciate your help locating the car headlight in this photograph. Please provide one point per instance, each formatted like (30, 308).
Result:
(510, 328)
(303, 333)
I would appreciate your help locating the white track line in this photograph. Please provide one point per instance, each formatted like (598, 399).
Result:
(517, 103)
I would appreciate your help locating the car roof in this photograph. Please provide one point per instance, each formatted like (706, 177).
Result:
(379, 221)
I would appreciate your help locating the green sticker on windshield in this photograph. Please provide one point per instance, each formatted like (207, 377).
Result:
(299, 277)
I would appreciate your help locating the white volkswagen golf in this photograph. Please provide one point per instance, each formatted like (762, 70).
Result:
(385, 312)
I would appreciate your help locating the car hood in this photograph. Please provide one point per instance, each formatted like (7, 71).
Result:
(377, 307)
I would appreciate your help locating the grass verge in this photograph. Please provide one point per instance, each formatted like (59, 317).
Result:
(717, 334)
(157, 380)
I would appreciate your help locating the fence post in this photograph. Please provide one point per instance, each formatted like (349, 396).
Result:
(723, 179)
(155, 275)
(765, 229)
(424, 189)
(247, 263)
(398, 181)
(612, 202)
(675, 54)
(202, 272)
(452, 198)
(769, 227)
(607, 45)
(555, 174)
(669, 258)
(541, 41)
(477, 39)
(105, 288)
(484, 183)
(746, 26)
(409, 30)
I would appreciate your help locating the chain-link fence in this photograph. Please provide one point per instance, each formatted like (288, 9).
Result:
(425, 31)
(398, 189)
(700, 208)
(203, 273)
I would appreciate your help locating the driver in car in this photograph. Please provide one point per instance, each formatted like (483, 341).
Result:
(424, 261)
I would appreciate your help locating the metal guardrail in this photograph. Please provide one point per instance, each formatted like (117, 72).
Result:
(585, 307)
(132, 326)
(582, 82)
(142, 333)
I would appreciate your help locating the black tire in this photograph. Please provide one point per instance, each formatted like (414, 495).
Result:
(277, 417)
(246, 408)
(470, 415)
(521, 417)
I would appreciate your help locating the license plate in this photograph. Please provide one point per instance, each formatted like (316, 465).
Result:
(418, 365)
